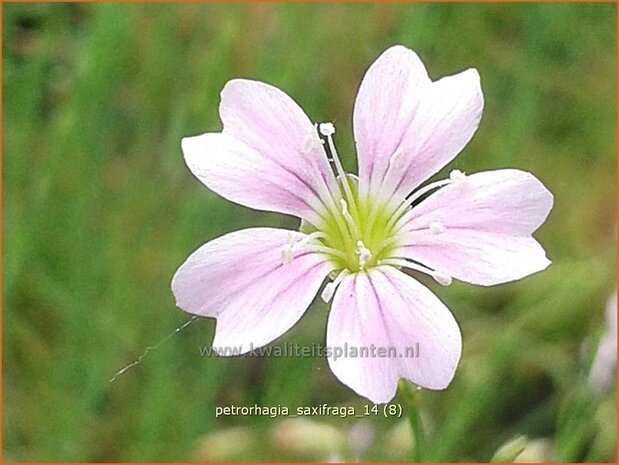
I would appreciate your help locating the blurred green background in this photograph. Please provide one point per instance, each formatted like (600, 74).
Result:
(100, 210)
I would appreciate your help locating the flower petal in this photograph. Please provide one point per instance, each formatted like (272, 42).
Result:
(240, 279)
(387, 99)
(385, 308)
(270, 122)
(241, 174)
(407, 127)
(488, 220)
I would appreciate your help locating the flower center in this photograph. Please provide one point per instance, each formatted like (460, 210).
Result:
(354, 233)
(357, 232)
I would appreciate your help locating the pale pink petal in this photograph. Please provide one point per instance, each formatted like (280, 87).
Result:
(385, 308)
(241, 174)
(240, 279)
(386, 102)
(478, 257)
(488, 220)
(270, 122)
(407, 127)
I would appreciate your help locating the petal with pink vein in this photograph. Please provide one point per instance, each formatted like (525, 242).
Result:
(269, 121)
(240, 279)
(487, 223)
(243, 175)
(386, 308)
(406, 127)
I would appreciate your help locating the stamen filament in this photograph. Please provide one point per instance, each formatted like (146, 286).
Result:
(308, 238)
(326, 250)
(329, 290)
(407, 238)
(327, 130)
(291, 247)
(329, 202)
(313, 143)
(398, 215)
(442, 278)
(352, 226)
(287, 250)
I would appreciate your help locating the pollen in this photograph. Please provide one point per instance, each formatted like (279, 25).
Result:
(457, 176)
(326, 129)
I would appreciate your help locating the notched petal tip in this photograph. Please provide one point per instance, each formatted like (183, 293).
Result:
(397, 311)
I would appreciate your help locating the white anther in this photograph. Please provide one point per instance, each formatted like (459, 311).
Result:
(327, 292)
(395, 156)
(288, 250)
(326, 129)
(364, 254)
(436, 228)
(457, 176)
(287, 254)
(442, 278)
(344, 207)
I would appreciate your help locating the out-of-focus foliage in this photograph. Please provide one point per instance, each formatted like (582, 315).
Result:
(99, 211)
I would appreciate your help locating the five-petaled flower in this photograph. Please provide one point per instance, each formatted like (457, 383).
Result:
(360, 232)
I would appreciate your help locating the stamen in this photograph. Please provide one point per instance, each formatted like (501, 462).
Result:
(457, 176)
(436, 228)
(288, 250)
(364, 254)
(397, 216)
(329, 290)
(442, 278)
(326, 250)
(349, 219)
(291, 247)
(344, 207)
(307, 239)
(327, 129)
(325, 189)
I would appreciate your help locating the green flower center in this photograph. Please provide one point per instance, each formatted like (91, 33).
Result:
(356, 232)
(359, 232)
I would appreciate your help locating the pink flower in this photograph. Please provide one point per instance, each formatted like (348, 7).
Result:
(360, 232)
